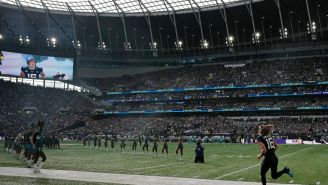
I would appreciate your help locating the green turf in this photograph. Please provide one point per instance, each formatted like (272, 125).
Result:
(309, 166)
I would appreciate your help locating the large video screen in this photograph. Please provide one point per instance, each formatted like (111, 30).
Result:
(36, 66)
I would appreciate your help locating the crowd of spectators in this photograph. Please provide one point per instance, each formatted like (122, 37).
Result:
(250, 103)
(216, 94)
(22, 105)
(173, 127)
(257, 72)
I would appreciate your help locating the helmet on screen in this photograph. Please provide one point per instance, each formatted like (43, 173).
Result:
(30, 58)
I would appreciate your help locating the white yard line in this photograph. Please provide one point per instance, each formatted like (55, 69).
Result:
(156, 166)
(244, 169)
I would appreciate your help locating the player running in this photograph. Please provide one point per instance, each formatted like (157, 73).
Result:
(179, 149)
(267, 149)
(28, 136)
(38, 142)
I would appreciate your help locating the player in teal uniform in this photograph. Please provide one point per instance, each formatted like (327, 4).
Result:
(31, 70)
(28, 136)
(38, 141)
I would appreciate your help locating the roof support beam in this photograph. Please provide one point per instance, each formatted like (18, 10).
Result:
(281, 21)
(122, 16)
(95, 11)
(313, 34)
(8, 26)
(55, 21)
(20, 7)
(224, 15)
(250, 12)
(84, 29)
(147, 17)
(173, 21)
(73, 24)
(198, 18)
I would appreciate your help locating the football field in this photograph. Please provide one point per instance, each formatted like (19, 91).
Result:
(233, 162)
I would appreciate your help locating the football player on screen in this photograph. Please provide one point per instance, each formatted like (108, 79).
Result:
(31, 70)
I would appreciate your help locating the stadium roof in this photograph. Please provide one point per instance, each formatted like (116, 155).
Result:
(128, 7)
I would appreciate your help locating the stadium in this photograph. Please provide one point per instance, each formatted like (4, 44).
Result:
(164, 92)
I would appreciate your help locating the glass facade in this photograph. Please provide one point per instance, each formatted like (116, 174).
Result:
(127, 6)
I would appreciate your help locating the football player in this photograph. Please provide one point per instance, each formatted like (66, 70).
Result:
(112, 143)
(106, 143)
(155, 146)
(122, 144)
(31, 70)
(38, 141)
(267, 149)
(134, 145)
(95, 139)
(165, 149)
(179, 149)
(99, 142)
(145, 146)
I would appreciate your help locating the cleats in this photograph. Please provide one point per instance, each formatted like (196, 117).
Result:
(289, 172)
(36, 169)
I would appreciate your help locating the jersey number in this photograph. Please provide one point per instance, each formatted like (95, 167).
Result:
(270, 143)
(32, 75)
